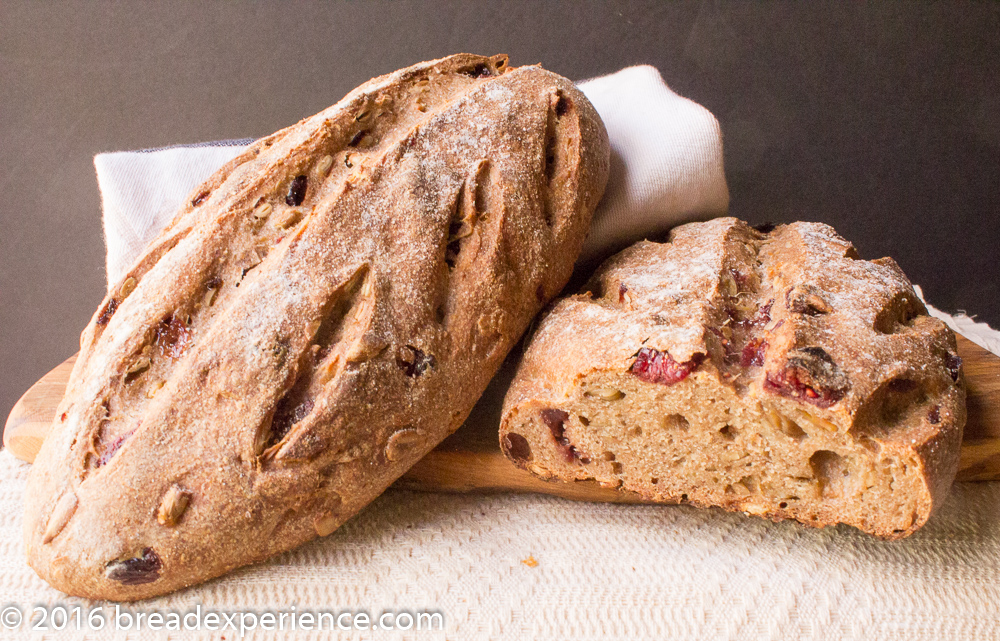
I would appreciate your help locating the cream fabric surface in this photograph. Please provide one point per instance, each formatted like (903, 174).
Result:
(603, 571)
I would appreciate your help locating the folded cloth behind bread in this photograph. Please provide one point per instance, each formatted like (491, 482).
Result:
(666, 168)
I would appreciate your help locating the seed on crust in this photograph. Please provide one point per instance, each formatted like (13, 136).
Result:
(323, 166)
(172, 508)
(127, 287)
(806, 299)
(325, 525)
(154, 388)
(263, 211)
(61, 515)
(140, 364)
(401, 443)
(290, 218)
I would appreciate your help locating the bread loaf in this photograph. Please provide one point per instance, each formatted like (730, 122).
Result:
(325, 309)
(773, 373)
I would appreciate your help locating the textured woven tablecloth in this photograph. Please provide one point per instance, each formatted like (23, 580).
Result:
(593, 571)
(603, 572)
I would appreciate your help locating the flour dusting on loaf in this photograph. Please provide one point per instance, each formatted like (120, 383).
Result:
(324, 310)
(773, 373)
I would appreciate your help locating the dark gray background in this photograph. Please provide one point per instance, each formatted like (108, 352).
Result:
(883, 121)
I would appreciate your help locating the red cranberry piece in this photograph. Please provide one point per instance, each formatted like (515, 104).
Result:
(113, 448)
(739, 278)
(287, 414)
(296, 191)
(555, 420)
(414, 362)
(516, 447)
(108, 311)
(763, 315)
(753, 354)
(136, 571)
(172, 336)
(200, 198)
(654, 366)
(810, 374)
(934, 416)
(954, 365)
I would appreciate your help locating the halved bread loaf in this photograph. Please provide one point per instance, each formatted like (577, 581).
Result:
(773, 373)
(325, 310)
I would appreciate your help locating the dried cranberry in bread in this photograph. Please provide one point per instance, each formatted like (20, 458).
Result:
(777, 374)
(328, 307)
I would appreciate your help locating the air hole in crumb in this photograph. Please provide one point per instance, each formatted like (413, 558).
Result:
(585, 421)
(728, 433)
(792, 429)
(654, 480)
(831, 470)
(636, 431)
(684, 497)
(783, 505)
(517, 447)
(616, 468)
(608, 456)
(750, 483)
(675, 422)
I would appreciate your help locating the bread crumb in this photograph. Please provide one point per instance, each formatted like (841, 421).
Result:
(530, 562)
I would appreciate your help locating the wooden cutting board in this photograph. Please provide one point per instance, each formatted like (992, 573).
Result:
(470, 459)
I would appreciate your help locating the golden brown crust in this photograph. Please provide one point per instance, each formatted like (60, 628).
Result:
(326, 309)
(774, 373)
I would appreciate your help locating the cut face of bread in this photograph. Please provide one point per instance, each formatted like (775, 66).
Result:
(776, 374)
(325, 310)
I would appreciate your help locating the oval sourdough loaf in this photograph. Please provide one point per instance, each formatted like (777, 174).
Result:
(326, 309)
(773, 373)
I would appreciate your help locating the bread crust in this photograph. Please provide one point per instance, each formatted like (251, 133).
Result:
(822, 371)
(325, 309)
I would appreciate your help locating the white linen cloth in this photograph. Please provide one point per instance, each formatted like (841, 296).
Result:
(603, 571)
(666, 168)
